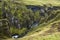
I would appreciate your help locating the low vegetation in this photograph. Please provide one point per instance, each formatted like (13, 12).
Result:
(29, 21)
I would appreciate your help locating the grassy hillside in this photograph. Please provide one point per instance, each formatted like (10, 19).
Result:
(55, 36)
(22, 20)
(40, 2)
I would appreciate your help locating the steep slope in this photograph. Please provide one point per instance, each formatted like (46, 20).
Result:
(51, 32)
(25, 21)
(54, 28)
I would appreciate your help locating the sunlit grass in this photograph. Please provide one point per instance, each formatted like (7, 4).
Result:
(55, 36)
(41, 2)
